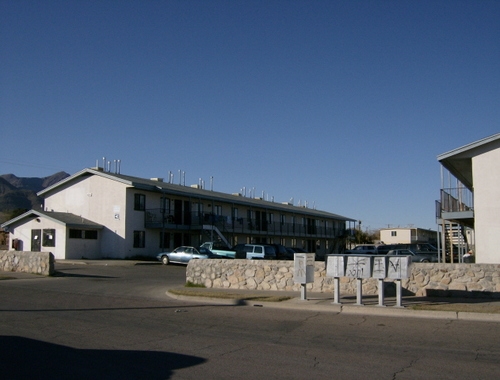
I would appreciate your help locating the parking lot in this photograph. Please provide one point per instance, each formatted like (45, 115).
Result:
(114, 321)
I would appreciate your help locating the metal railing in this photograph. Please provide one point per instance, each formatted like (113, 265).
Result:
(456, 200)
(155, 218)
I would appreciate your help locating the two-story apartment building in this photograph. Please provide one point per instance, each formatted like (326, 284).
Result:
(469, 204)
(98, 214)
(408, 235)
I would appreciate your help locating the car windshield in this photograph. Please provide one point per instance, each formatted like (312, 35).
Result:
(205, 251)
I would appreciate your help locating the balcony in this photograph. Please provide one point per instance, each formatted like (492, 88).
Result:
(456, 205)
(156, 219)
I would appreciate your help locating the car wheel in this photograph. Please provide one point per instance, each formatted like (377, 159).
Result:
(165, 260)
(425, 261)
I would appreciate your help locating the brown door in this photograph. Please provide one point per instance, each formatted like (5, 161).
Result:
(36, 237)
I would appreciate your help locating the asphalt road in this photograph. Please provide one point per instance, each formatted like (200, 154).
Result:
(115, 322)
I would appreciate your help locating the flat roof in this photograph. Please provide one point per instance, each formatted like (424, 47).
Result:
(160, 186)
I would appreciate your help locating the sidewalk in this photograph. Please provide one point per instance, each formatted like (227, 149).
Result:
(472, 309)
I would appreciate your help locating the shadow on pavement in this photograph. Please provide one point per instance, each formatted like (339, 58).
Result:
(24, 358)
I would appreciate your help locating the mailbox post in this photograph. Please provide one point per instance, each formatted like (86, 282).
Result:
(359, 267)
(303, 272)
(380, 272)
(398, 268)
(335, 267)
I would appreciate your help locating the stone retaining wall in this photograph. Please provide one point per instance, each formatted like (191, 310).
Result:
(425, 279)
(28, 262)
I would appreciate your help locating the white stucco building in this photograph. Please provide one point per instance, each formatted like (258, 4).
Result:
(97, 214)
(407, 235)
(470, 197)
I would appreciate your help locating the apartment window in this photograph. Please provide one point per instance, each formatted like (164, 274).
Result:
(234, 214)
(164, 204)
(139, 202)
(166, 240)
(82, 234)
(139, 239)
(49, 237)
(394, 233)
(282, 219)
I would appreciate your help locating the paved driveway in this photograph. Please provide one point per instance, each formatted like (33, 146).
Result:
(115, 322)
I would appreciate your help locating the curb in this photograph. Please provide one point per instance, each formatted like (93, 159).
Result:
(322, 306)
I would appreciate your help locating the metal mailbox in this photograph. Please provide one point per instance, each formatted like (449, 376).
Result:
(359, 266)
(303, 272)
(379, 267)
(335, 266)
(398, 267)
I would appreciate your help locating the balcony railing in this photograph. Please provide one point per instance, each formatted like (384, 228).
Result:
(155, 218)
(456, 200)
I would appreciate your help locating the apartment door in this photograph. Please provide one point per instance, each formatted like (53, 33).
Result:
(36, 238)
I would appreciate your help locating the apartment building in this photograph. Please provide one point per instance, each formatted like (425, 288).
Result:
(408, 235)
(99, 214)
(469, 203)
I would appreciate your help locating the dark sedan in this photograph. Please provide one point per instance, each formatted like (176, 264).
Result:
(415, 257)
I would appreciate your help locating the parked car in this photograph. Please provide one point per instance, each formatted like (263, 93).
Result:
(218, 249)
(182, 255)
(424, 248)
(416, 257)
(282, 252)
(255, 251)
(364, 249)
(295, 250)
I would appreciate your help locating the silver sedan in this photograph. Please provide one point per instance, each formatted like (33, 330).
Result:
(182, 255)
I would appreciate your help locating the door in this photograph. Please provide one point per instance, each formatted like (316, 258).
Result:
(178, 211)
(36, 237)
(188, 255)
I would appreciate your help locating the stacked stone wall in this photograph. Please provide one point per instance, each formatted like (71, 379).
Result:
(425, 279)
(28, 262)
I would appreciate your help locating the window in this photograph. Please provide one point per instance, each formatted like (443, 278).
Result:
(49, 237)
(139, 202)
(165, 205)
(82, 234)
(139, 239)
(90, 234)
(166, 240)
(394, 233)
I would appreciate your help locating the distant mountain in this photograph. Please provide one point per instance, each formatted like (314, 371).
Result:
(20, 193)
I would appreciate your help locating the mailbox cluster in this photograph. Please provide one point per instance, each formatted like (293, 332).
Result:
(368, 266)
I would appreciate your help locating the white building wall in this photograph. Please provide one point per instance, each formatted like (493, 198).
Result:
(100, 200)
(403, 235)
(485, 169)
(83, 248)
(23, 233)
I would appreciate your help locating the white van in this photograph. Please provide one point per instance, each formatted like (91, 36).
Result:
(254, 251)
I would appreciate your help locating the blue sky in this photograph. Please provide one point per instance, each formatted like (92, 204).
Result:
(341, 104)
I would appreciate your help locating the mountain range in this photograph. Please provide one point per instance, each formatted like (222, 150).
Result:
(18, 193)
